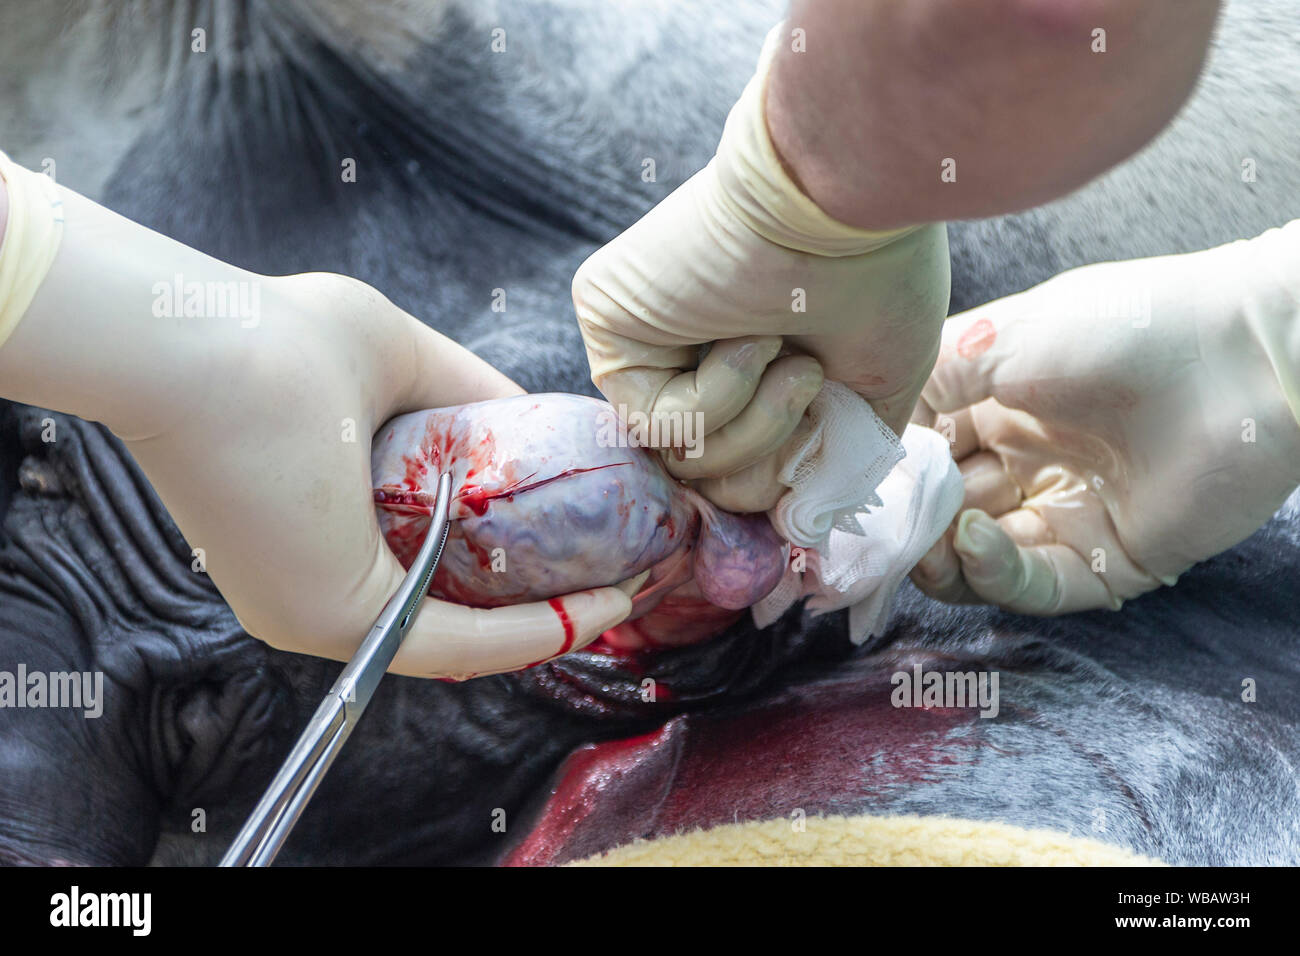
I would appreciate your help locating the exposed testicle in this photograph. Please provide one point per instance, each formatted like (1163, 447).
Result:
(544, 503)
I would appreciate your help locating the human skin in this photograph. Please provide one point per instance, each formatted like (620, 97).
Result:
(1011, 90)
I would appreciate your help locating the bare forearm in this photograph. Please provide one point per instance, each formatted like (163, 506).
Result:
(905, 111)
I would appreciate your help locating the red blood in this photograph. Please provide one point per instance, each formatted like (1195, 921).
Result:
(977, 340)
(569, 634)
(476, 498)
(471, 455)
(406, 501)
(417, 472)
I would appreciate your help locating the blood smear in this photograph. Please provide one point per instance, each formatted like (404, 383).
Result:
(977, 340)
(569, 634)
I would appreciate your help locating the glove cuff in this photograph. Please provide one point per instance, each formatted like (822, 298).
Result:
(30, 241)
(757, 190)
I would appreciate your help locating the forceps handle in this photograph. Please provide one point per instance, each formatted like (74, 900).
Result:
(268, 827)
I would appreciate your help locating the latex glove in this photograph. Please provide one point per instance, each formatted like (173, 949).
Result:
(738, 256)
(1117, 424)
(253, 424)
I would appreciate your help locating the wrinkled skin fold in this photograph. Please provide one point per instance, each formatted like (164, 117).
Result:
(480, 172)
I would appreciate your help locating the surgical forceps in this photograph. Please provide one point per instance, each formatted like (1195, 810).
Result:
(276, 813)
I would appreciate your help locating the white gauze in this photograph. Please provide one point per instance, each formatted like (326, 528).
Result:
(865, 508)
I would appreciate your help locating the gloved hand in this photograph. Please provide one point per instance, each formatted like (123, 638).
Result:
(739, 257)
(249, 401)
(1117, 424)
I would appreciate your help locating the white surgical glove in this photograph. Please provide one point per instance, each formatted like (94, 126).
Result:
(249, 401)
(739, 257)
(1117, 424)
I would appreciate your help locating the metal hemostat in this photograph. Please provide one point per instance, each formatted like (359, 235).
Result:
(274, 817)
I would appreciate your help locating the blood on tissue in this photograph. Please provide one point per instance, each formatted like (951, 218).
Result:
(417, 473)
(476, 498)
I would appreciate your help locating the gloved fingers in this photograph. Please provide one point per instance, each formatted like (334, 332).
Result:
(635, 390)
(446, 373)
(1026, 527)
(786, 389)
(973, 346)
(988, 486)
(959, 428)
(939, 575)
(667, 378)
(628, 587)
(1040, 579)
(686, 402)
(738, 386)
(723, 384)
(755, 488)
(449, 640)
